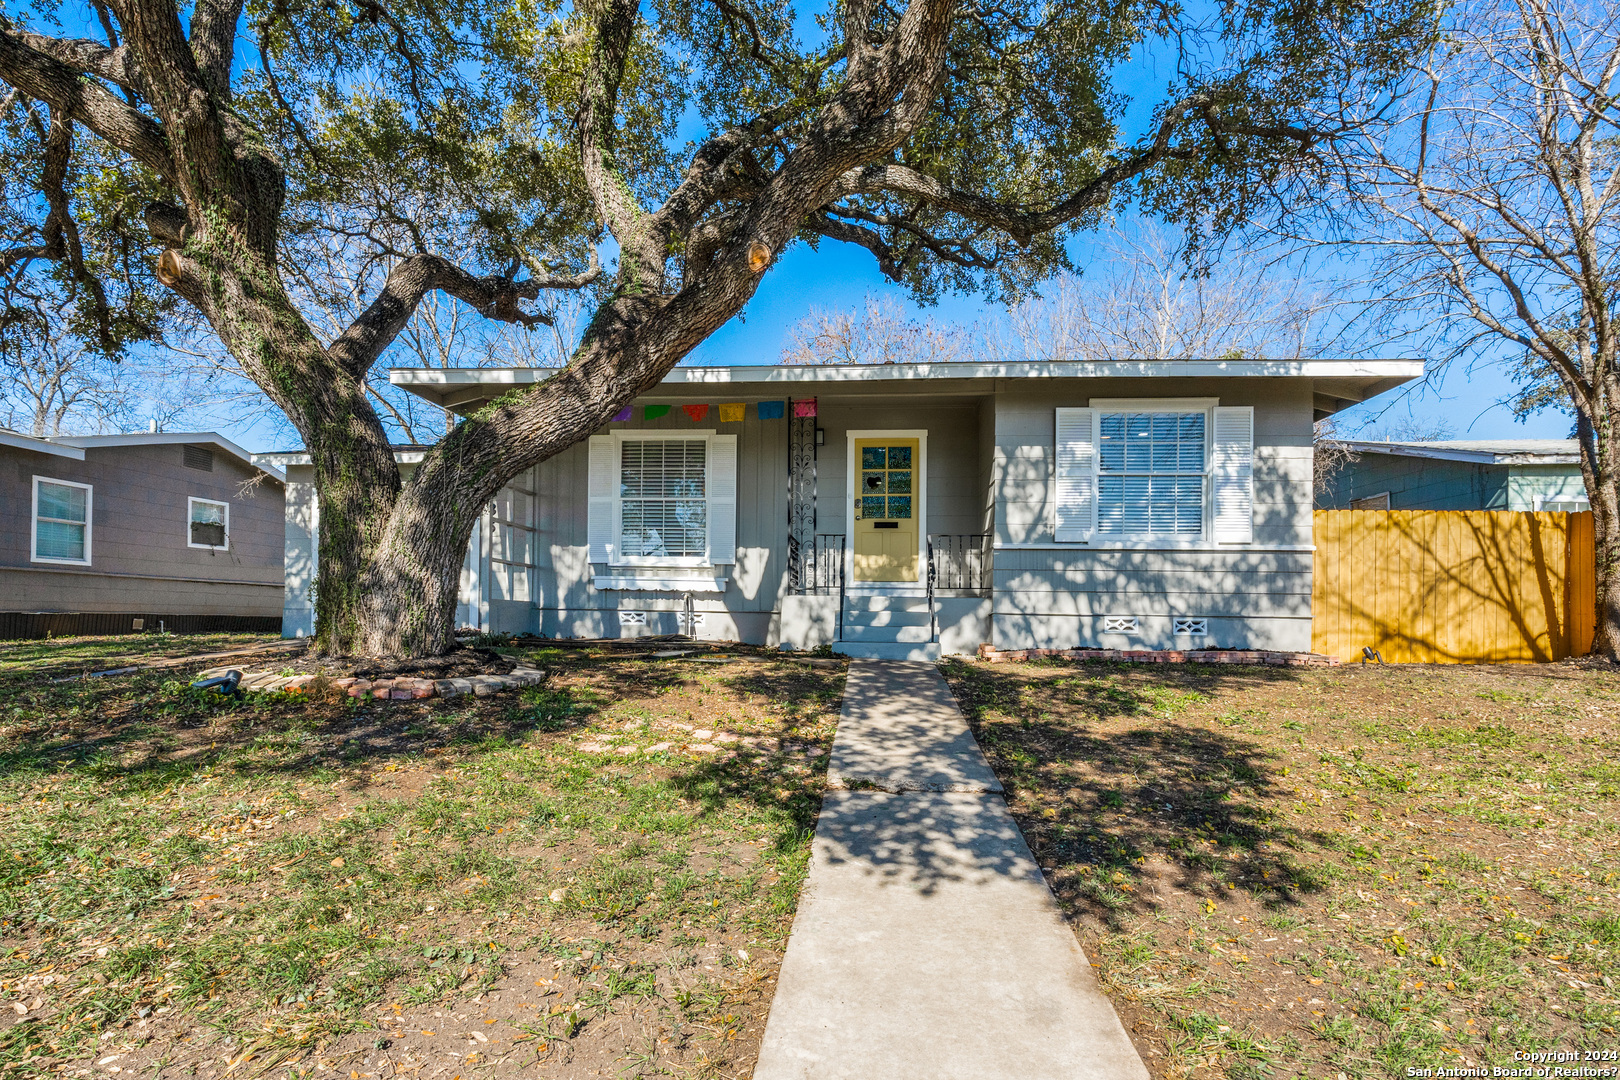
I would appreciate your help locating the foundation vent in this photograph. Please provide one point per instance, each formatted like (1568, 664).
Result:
(632, 618)
(1193, 627)
(1120, 624)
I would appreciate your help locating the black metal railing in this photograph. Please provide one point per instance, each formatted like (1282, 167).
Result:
(933, 620)
(960, 562)
(816, 565)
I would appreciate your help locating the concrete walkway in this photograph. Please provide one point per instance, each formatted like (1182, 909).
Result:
(927, 945)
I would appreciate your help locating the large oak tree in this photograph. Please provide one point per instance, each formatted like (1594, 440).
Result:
(491, 151)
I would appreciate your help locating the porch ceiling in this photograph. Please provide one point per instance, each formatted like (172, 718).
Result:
(1336, 384)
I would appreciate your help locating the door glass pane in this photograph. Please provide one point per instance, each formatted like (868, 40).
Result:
(900, 483)
(900, 507)
(899, 457)
(872, 457)
(872, 483)
(872, 507)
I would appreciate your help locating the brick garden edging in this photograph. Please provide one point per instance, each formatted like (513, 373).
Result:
(1165, 656)
(402, 688)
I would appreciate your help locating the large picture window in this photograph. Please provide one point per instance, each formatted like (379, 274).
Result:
(663, 498)
(1150, 473)
(1175, 472)
(61, 521)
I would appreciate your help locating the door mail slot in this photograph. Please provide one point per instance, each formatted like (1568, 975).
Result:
(885, 524)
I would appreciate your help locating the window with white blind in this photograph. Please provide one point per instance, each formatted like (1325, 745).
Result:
(661, 498)
(1176, 471)
(1150, 473)
(61, 522)
(663, 504)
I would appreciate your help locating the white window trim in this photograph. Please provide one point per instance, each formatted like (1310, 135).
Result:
(192, 501)
(89, 519)
(1543, 499)
(651, 562)
(919, 492)
(1206, 406)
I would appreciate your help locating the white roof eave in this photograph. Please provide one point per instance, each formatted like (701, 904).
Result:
(451, 386)
(1474, 457)
(40, 446)
(175, 438)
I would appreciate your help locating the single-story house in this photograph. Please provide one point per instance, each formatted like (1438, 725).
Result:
(106, 534)
(1480, 474)
(908, 510)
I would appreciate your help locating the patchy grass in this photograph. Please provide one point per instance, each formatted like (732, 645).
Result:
(1325, 872)
(75, 655)
(191, 885)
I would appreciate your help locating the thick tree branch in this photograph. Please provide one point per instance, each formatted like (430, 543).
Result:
(213, 41)
(641, 257)
(45, 78)
(413, 278)
(116, 63)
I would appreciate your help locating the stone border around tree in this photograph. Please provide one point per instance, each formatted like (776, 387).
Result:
(400, 688)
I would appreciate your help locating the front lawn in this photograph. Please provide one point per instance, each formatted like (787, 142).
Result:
(1341, 872)
(591, 877)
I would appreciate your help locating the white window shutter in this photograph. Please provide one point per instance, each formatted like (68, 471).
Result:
(722, 492)
(1233, 463)
(604, 480)
(1075, 475)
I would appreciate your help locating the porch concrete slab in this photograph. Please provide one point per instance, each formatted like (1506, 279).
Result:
(900, 730)
(927, 945)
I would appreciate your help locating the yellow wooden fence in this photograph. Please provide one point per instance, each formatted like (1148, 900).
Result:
(1453, 586)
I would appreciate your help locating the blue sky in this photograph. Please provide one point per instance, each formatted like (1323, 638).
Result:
(1467, 403)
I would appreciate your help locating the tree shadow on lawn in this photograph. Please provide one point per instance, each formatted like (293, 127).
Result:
(1098, 796)
(151, 728)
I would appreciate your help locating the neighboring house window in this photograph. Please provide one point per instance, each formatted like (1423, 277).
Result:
(210, 524)
(61, 521)
(1379, 501)
(1174, 470)
(661, 499)
(1571, 505)
(1150, 473)
(663, 507)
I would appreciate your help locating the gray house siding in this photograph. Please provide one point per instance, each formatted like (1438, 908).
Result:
(572, 606)
(1051, 595)
(139, 529)
(1548, 482)
(989, 461)
(1418, 483)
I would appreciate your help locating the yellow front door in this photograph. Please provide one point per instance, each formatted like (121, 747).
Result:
(886, 474)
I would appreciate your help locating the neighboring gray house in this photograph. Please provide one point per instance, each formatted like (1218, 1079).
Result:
(114, 533)
(907, 510)
(1483, 474)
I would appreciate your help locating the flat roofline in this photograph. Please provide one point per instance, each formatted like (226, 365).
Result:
(1445, 453)
(1351, 381)
(285, 458)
